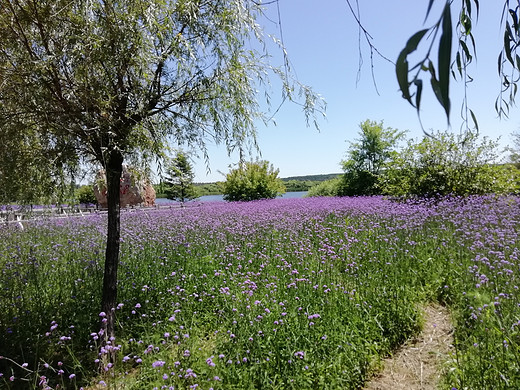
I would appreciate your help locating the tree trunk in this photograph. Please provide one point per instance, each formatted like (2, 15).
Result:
(113, 168)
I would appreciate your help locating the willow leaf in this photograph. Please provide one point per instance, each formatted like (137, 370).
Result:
(402, 67)
(445, 60)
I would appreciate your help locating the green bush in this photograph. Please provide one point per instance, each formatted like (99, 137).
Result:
(85, 195)
(445, 163)
(325, 188)
(252, 181)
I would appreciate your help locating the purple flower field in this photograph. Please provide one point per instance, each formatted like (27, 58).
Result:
(279, 294)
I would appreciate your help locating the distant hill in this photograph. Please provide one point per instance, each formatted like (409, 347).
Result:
(322, 177)
(304, 183)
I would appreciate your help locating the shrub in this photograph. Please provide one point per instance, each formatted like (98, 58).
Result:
(444, 164)
(325, 188)
(85, 195)
(252, 181)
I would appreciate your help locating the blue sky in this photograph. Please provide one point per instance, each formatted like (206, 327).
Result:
(321, 38)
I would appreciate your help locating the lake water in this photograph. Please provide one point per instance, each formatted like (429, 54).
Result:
(219, 198)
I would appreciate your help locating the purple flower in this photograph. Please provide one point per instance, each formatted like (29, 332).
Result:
(158, 363)
(190, 374)
(299, 354)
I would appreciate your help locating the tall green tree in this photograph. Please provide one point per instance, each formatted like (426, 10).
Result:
(367, 158)
(107, 80)
(253, 181)
(179, 179)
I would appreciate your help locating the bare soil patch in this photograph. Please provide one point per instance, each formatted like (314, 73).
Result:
(417, 365)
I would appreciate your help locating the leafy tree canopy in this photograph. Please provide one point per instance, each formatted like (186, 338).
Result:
(85, 195)
(367, 157)
(105, 81)
(515, 150)
(253, 181)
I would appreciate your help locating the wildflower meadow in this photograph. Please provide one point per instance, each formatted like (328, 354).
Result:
(280, 294)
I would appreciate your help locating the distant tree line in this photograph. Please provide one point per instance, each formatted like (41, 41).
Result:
(292, 184)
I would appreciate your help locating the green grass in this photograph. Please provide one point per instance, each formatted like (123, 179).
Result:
(282, 294)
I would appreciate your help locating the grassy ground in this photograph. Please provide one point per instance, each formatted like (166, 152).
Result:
(281, 294)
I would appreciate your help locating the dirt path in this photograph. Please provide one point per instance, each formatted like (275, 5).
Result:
(418, 364)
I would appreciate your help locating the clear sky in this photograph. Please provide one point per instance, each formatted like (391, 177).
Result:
(321, 37)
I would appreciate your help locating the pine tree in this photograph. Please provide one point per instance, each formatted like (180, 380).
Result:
(179, 180)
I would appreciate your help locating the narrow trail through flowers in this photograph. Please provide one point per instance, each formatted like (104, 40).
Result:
(418, 364)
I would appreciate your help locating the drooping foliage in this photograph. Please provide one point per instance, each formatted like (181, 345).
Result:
(103, 81)
(452, 34)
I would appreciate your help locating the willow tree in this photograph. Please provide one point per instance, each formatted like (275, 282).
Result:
(456, 48)
(108, 80)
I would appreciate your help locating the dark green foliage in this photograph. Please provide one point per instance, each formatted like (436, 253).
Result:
(159, 190)
(85, 195)
(209, 188)
(253, 181)
(367, 158)
(445, 164)
(298, 185)
(313, 178)
(179, 180)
